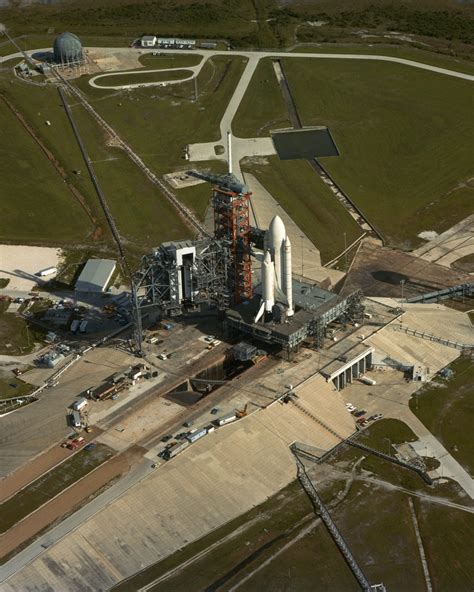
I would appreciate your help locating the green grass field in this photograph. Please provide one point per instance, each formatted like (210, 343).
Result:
(416, 54)
(142, 77)
(446, 407)
(36, 205)
(11, 386)
(387, 121)
(46, 487)
(405, 140)
(448, 541)
(158, 123)
(16, 337)
(293, 184)
(163, 61)
(262, 109)
(309, 202)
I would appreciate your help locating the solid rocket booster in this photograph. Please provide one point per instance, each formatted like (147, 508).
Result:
(268, 275)
(288, 287)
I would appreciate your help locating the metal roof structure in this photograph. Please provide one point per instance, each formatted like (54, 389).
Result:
(67, 49)
(96, 275)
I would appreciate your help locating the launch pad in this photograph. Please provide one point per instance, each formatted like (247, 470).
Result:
(271, 306)
(315, 309)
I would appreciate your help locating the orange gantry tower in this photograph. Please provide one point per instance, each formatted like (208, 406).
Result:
(232, 226)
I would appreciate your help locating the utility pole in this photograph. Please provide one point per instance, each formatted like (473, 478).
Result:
(302, 256)
(402, 283)
(345, 252)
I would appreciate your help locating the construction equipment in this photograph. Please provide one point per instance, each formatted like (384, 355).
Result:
(239, 413)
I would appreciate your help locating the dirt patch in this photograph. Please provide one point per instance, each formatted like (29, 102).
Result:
(379, 271)
(465, 264)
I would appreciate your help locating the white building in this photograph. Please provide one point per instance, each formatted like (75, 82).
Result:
(96, 275)
(148, 41)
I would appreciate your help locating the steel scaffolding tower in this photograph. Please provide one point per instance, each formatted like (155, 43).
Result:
(230, 200)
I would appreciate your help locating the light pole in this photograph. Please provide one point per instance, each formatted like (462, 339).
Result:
(302, 258)
(345, 252)
(402, 283)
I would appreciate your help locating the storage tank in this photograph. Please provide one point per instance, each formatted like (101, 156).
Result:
(67, 49)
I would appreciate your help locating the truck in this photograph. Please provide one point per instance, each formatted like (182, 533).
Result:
(80, 404)
(47, 271)
(196, 435)
(367, 380)
(175, 449)
(76, 443)
(225, 419)
(76, 419)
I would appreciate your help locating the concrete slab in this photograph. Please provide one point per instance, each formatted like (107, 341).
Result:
(19, 264)
(451, 245)
(213, 481)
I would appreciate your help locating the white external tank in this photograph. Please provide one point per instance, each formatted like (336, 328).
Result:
(276, 236)
(288, 287)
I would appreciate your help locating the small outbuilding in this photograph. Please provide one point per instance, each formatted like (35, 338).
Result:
(148, 41)
(96, 275)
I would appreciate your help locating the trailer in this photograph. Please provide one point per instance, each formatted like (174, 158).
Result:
(75, 326)
(80, 404)
(367, 380)
(226, 419)
(75, 419)
(176, 449)
(105, 391)
(48, 271)
(196, 435)
(83, 327)
(175, 43)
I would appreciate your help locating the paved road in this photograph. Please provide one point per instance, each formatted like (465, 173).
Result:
(31, 552)
(254, 57)
(194, 69)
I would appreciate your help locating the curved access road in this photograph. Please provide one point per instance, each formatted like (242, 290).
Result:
(194, 69)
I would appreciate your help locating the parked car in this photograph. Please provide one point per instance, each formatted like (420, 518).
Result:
(350, 407)
(90, 446)
(360, 413)
(361, 420)
(187, 424)
(214, 410)
(167, 438)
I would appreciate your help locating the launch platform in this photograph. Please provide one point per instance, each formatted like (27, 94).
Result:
(315, 309)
